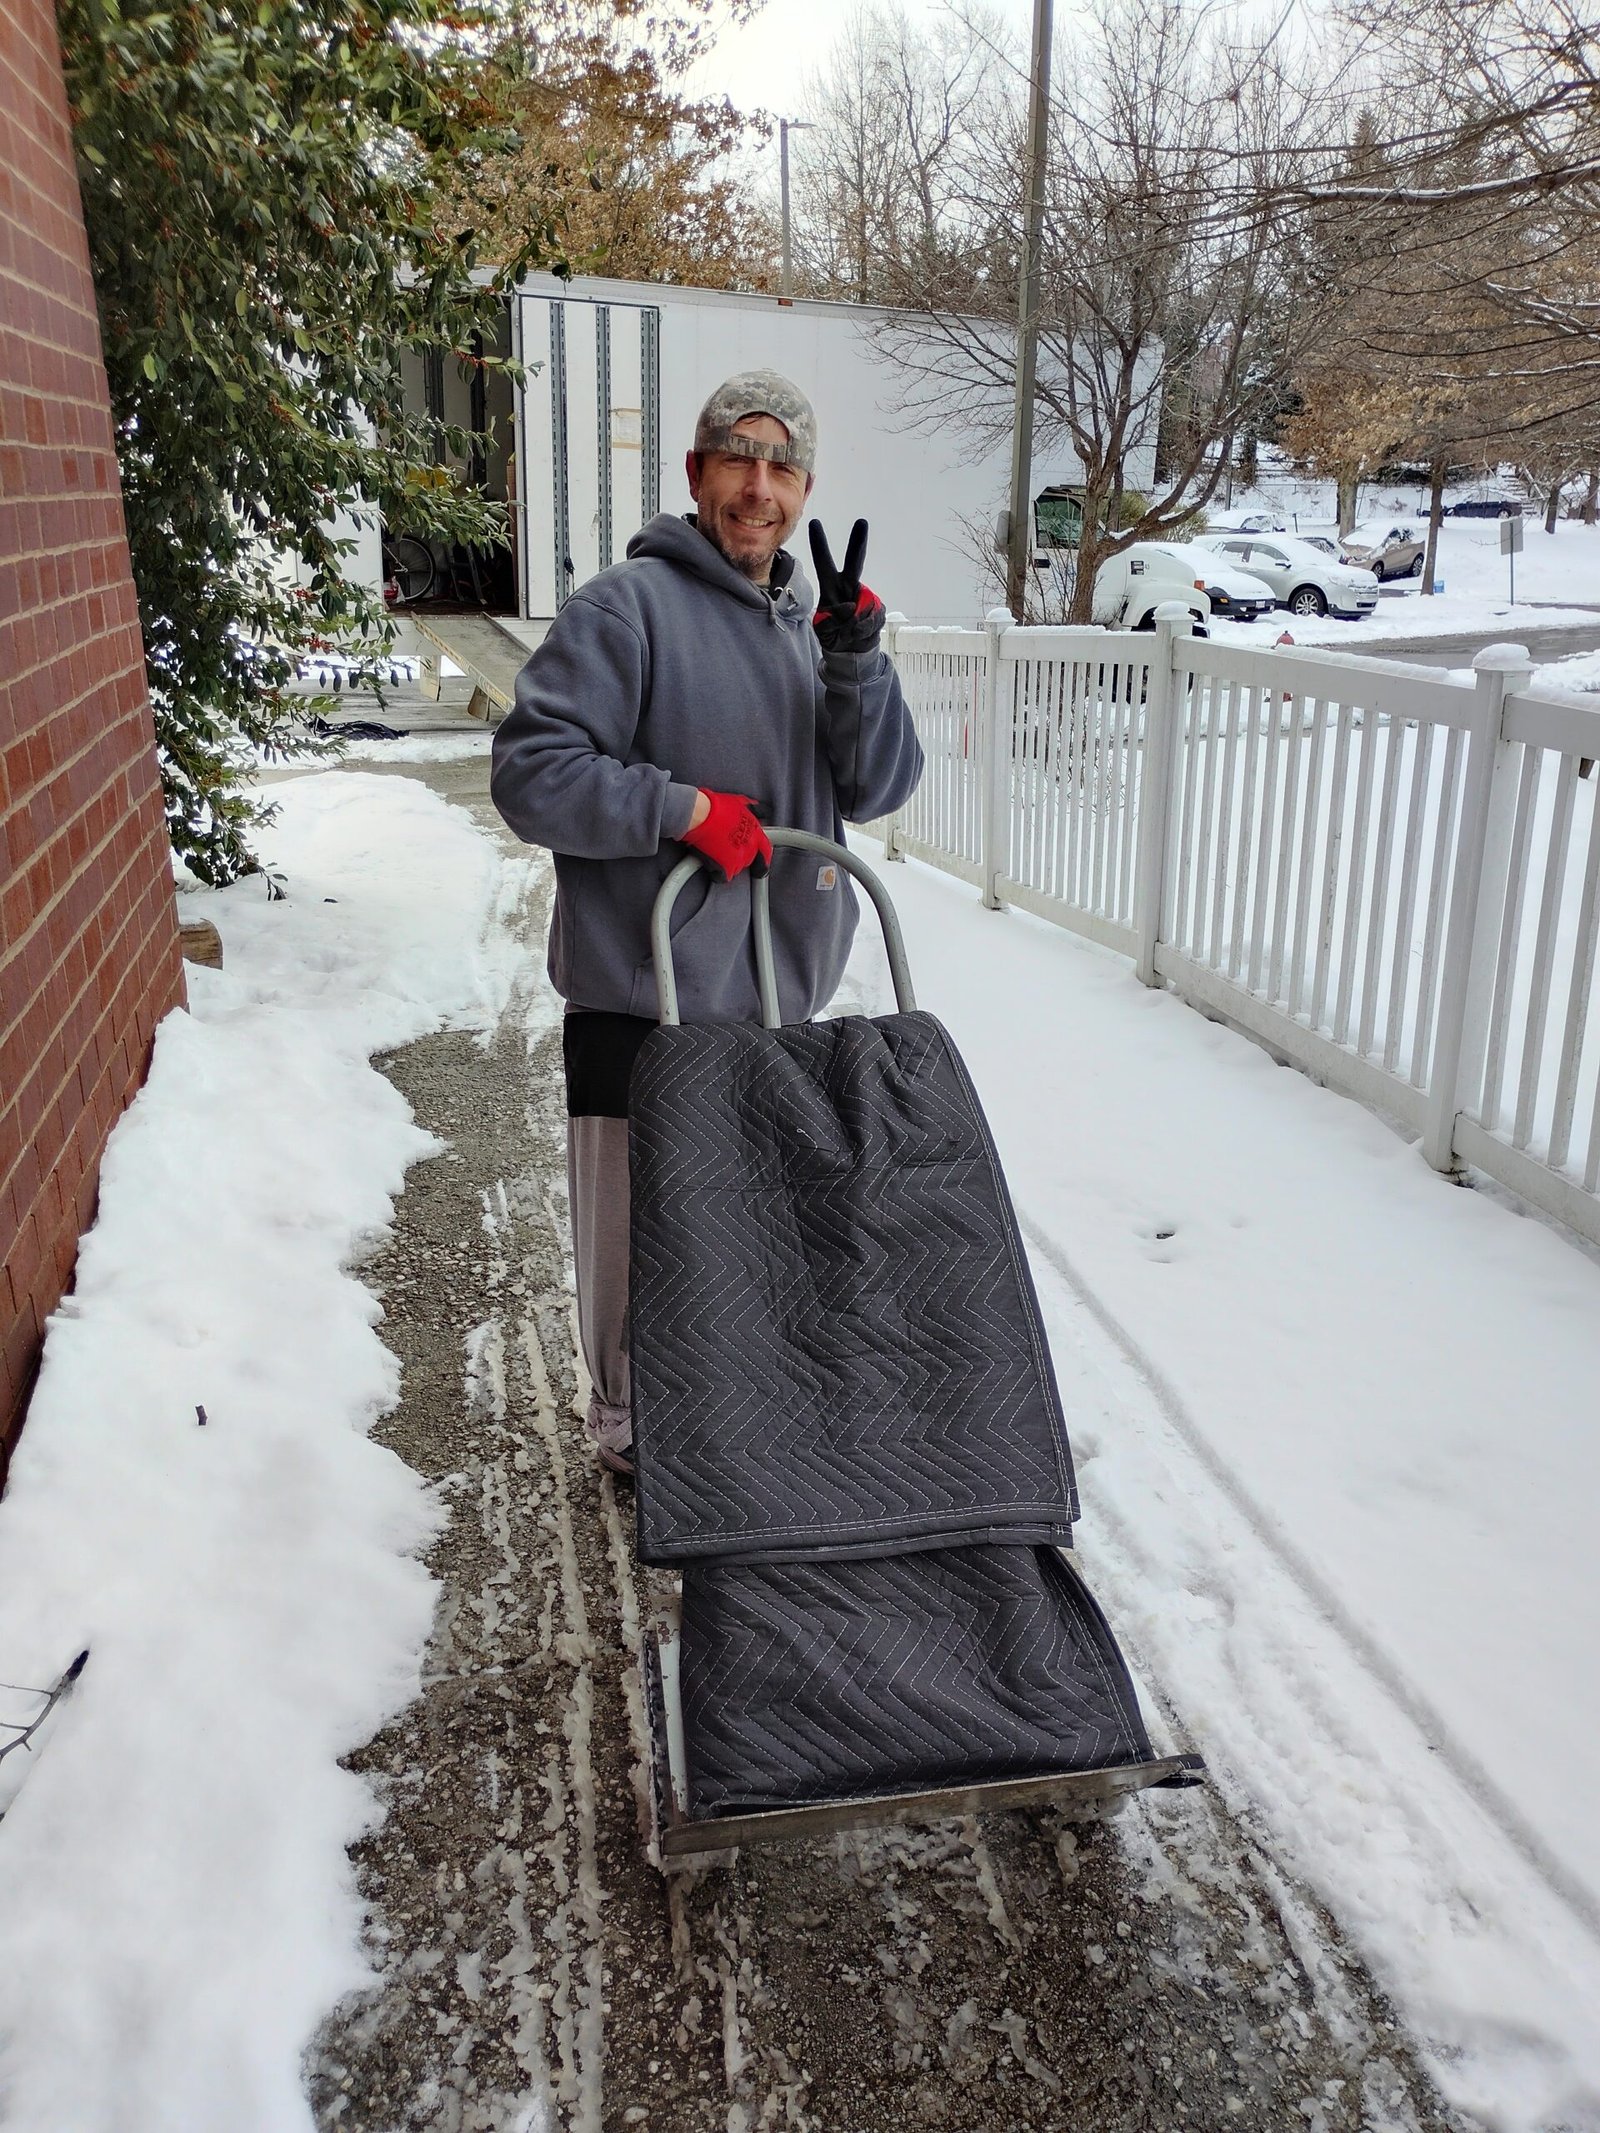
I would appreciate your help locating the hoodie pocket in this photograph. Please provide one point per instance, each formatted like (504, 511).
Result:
(694, 917)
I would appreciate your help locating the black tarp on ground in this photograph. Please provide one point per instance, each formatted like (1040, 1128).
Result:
(846, 1426)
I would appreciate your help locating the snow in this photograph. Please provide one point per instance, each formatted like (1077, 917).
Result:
(179, 1908)
(1558, 581)
(1579, 675)
(1335, 1421)
(422, 748)
(426, 747)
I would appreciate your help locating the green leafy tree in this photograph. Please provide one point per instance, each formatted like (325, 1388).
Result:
(259, 185)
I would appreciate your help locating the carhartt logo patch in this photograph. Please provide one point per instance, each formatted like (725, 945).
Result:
(827, 877)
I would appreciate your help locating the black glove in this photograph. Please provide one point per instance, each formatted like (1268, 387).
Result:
(849, 618)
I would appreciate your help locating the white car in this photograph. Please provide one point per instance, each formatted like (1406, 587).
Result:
(1252, 522)
(1130, 586)
(1234, 594)
(1305, 580)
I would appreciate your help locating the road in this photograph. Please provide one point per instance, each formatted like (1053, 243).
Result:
(1134, 1976)
(1558, 641)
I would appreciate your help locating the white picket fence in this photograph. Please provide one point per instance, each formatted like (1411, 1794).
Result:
(1388, 877)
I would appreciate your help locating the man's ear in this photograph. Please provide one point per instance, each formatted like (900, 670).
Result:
(811, 483)
(691, 467)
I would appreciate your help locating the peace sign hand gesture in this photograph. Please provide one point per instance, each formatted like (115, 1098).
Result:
(849, 617)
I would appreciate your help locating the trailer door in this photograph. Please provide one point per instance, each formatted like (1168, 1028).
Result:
(589, 439)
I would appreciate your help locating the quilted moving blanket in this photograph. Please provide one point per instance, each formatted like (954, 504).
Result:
(827, 1681)
(836, 1346)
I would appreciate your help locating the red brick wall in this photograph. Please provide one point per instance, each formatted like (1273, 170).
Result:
(88, 929)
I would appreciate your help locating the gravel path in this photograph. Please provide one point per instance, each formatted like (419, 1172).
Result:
(1147, 1973)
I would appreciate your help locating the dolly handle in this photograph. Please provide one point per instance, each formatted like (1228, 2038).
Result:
(761, 921)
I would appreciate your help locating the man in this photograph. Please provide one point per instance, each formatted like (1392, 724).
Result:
(680, 698)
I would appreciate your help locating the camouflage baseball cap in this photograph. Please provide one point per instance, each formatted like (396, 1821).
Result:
(759, 392)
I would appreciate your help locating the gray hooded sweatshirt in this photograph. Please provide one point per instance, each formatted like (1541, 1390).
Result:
(666, 674)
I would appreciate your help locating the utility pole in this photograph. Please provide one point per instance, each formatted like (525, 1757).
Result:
(1019, 519)
(785, 128)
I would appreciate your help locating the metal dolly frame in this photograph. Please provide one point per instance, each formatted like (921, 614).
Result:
(681, 1842)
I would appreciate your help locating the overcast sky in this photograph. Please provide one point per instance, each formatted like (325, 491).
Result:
(766, 66)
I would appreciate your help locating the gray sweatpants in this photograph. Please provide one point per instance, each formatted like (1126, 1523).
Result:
(597, 1180)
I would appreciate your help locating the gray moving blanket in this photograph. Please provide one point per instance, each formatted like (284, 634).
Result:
(950, 1666)
(836, 1346)
(846, 1427)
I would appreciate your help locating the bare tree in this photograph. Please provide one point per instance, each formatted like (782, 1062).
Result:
(1468, 187)
(896, 113)
(1494, 104)
(1160, 326)
(1396, 227)
(1554, 459)
(1428, 354)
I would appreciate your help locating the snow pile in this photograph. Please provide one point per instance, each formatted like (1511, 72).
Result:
(179, 1909)
(1579, 674)
(422, 748)
(462, 745)
(1576, 675)
(1554, 569)
(1336, 1429)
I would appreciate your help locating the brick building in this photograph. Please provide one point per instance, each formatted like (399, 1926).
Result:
(88, 928)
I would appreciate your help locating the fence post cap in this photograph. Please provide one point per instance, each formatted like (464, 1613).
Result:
(998, 618)
(1174, 611)
(894, 620)
(1502, 659)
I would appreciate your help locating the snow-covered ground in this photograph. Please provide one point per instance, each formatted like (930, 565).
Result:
(1334, 1421)
(1558, 580)
(1337, 1428)
(422, 748)
(1579, 674)
(179, 1909)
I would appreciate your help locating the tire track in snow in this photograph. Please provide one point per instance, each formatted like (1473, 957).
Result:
(1403, 1692)
(1374, 1807)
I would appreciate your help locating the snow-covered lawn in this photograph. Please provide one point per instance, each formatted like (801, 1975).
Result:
(1337, 1424)
(179, 1911)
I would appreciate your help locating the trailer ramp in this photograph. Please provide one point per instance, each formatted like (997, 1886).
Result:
(489, 651)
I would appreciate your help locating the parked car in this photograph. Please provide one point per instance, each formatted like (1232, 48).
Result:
(1305, 580)
(1129, 587)
(1484, 507)
(1250, 522)
(1234, 594)
(1388, 549)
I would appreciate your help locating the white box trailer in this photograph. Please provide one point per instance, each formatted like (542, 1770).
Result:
(619, 371)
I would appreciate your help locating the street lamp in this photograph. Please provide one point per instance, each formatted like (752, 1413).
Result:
(785, 128)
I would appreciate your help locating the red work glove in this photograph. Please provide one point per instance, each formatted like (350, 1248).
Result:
(849, 616)
(730, 836)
